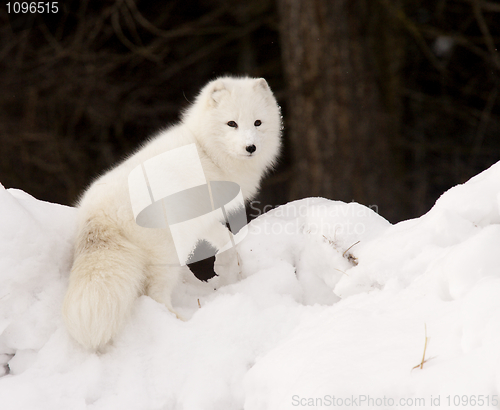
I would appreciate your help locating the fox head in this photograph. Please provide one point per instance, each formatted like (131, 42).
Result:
(237, 119)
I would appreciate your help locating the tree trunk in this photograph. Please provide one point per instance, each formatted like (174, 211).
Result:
(341, 59)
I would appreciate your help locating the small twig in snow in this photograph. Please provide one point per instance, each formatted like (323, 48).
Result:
(421, 365)
(355, 243)
(341, 271)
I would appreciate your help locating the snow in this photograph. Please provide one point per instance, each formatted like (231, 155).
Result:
(330, 308)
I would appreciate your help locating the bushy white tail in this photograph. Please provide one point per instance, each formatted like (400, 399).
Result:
(106, 278)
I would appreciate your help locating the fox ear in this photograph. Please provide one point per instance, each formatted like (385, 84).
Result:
(216, 93)
(261, 83)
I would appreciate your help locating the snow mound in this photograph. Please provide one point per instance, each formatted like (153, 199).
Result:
(330, 307)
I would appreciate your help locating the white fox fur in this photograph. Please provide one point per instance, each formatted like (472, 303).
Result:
(116, 260)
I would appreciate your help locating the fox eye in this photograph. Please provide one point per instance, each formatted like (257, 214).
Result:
(232, 124)
(257, 123)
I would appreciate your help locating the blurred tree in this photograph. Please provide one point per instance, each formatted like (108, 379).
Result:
(342, 62)
(451, 121)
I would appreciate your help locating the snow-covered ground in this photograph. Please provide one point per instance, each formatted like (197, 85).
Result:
(331, 309)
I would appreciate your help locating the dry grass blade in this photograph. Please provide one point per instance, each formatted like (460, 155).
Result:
(349, 256)
(355, 243)
(421, 364)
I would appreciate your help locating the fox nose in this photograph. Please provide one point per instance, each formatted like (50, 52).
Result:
(251, 148)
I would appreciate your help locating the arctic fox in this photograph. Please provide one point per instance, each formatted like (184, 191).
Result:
(236, 126)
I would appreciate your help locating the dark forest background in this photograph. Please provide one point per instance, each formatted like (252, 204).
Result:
(385, 102)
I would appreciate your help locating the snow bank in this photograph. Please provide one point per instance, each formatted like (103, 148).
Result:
(330, 307)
